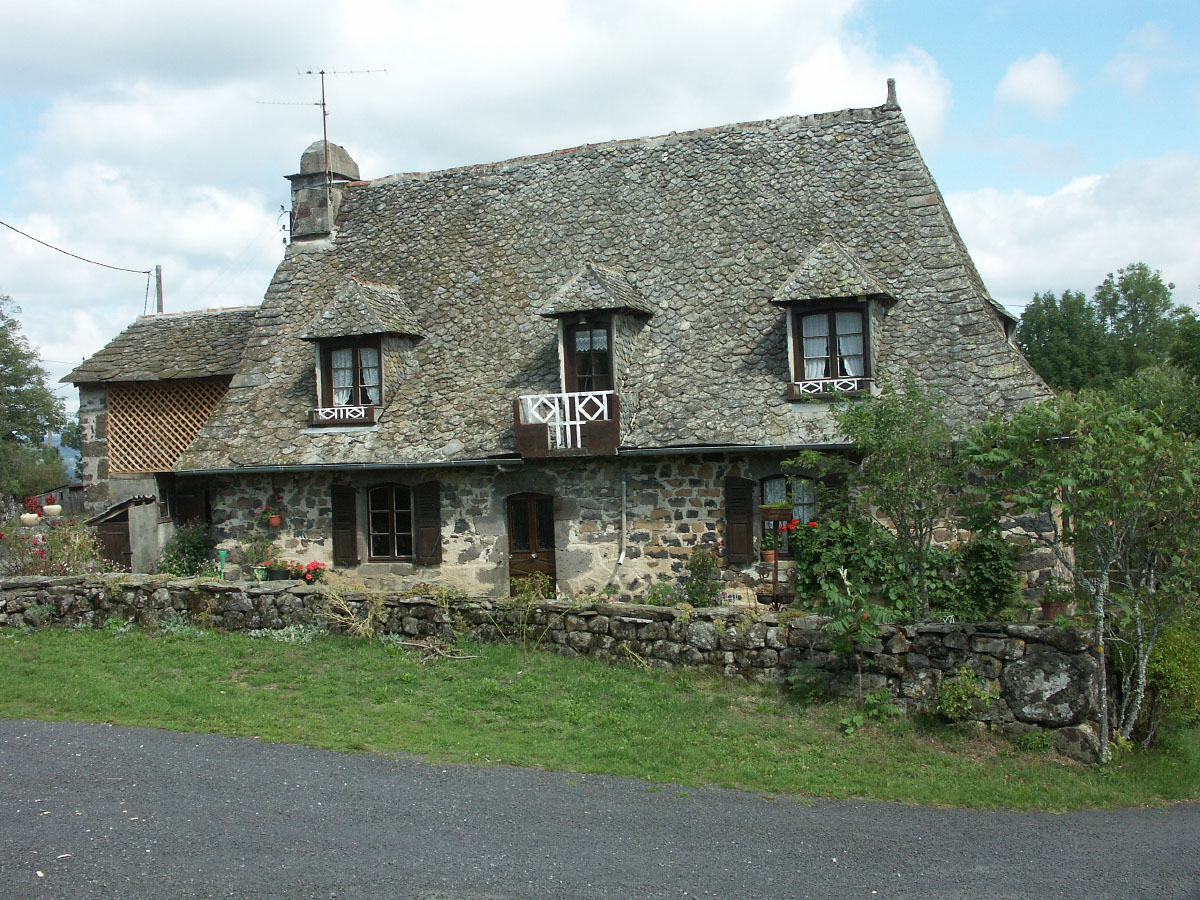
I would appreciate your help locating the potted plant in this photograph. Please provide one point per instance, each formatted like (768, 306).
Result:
(33, 512)
(280, 570)
(1055, 602)
(52, 506)
(256, 551)
(770, 541)
(271, 512)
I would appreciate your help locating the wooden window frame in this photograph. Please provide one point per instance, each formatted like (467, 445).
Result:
(571, 376)
(830, 310)
(394, 532)
(357, 395)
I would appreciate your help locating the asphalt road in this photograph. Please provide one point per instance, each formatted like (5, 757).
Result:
(91, 811)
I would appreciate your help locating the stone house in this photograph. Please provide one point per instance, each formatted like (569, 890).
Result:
(584, 363)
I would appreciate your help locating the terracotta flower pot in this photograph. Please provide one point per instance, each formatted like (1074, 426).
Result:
(768, 556)
(52, 509)
(275, 521)
(30, 519)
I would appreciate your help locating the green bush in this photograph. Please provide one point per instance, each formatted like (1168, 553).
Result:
(862, 548)
(963, 696)
(701, 585)
(977, 582)
(1173, 683)
(187, 551)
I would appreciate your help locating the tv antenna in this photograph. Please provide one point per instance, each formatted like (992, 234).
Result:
(321, 73)
(325, 110)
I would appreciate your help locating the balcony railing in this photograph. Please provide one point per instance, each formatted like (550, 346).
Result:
(583, 423)
(341, 415)
(824, 386)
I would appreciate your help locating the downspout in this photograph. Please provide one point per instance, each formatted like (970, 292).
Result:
(624, 516)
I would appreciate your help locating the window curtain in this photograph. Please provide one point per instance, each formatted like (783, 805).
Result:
(368, 358)
(343, 376)
(815, 331)
(850, 343)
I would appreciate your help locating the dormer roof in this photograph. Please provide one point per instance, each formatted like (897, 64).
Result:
(831, 271)
(362, 308)
(595, 287)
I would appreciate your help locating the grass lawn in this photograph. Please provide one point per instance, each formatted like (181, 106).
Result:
(530, 708)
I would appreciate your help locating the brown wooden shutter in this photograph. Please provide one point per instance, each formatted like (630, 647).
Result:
(345, 525)
(427, 522)
(739, 519)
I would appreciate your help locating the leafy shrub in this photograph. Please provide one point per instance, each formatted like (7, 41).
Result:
(532, 589)
(986, 578)
(808, 685)
(701, 585)
(289, 634)
(862, 548)
(963, 696)
(63, 548)
(187, 550)
(1173, 685)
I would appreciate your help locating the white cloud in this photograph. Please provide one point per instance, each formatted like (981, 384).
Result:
(1143, 210)
(1146, 50)
(1038, 84)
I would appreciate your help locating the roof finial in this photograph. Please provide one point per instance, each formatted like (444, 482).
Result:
(891, 98)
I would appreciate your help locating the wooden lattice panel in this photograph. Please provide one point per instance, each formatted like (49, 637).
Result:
(151, 423)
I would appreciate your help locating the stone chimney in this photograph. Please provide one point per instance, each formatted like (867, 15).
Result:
(315, 199)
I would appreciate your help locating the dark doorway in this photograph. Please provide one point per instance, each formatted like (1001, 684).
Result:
(114, 541)
(530, 538)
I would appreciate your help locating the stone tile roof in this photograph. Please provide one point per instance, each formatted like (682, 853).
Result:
(363, 308)
(707, 226)
(597, 287)
(830, 271)
(171, 345)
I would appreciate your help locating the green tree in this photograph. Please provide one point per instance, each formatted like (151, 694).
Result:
(28, 410)
(1184, 350)
(1066, 342)
(1111, 490)
(907, 470)
(1137, 310)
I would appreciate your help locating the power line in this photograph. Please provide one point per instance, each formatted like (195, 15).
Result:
(74, 255)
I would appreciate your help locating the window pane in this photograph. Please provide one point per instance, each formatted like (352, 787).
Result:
(520, 524)
(583, 340)
(381, 545)
(402, 499)
(814, 326)
(368, 357)
(404, 545)
(343, 359)
(849, 323)
(378, 499)
(804, 500)
(600, 340)
(774, 490)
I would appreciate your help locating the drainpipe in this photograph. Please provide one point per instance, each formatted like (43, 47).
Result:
(624, 516)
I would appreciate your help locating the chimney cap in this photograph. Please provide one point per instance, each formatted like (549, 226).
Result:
(341, 164)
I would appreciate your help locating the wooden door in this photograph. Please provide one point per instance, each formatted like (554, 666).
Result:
(530, 538)
(114, 541)
(345, 525)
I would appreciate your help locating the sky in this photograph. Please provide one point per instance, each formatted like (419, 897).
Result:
(1064, 135)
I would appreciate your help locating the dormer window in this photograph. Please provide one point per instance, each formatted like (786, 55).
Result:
(831, 344)
(352, 376)
(362, 322)
(587, 357)
(833, 302)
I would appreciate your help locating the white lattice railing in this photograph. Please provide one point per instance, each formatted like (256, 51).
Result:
(566, 414)
(832, 385)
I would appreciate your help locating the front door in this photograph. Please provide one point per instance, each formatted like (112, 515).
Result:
(530, 538)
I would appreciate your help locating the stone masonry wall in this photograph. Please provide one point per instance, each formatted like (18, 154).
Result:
(1040, 677)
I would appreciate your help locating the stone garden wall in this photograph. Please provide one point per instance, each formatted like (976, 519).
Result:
(1038, 677)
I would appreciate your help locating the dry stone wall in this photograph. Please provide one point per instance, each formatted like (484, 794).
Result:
(1036, 677)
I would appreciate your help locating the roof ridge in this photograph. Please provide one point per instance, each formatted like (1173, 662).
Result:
(196, 312)
(808, 118)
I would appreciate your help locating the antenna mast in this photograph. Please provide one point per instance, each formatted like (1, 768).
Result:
(325, 125)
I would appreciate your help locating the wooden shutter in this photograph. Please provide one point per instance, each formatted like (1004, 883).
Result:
(739, 519)
(345, 525)
(427, 523)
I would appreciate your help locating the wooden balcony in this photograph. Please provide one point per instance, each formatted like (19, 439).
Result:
(582, 424)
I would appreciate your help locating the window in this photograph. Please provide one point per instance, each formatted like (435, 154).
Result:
(403, 523)
(352, 376)
(391, 522)
(831, 344)
(799, 498)
(587, 357)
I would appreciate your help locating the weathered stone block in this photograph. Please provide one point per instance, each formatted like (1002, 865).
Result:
(1049, 687)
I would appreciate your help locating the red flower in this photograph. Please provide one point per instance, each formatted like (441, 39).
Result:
(812, 524)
